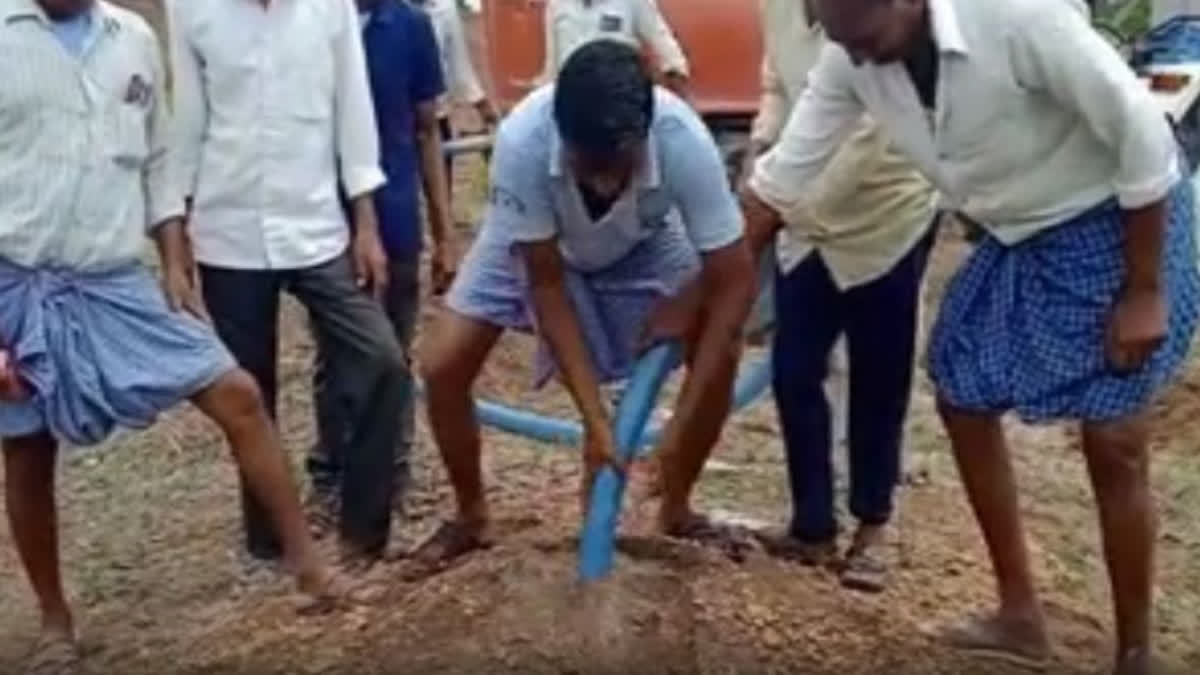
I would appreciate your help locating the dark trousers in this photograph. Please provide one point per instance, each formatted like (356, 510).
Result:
(879, 320)
(245, 308)
(325, 466)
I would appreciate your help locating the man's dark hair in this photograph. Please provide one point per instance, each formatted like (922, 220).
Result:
(603, 98)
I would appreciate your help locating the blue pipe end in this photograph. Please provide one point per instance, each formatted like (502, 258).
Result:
(597, 544)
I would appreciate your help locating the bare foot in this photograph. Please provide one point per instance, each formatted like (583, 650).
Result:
(447, 545)
(1137, 662)
(732, 541)
(56, 652)
(1018, 640)
(324, 590)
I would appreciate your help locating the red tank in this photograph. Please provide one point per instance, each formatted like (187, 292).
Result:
(722, 40)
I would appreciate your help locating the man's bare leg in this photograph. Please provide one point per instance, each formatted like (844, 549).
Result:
(234, 403)
(1017, 629)
(686, 448)
(454, 355)
(29, 468)
(1119, 465)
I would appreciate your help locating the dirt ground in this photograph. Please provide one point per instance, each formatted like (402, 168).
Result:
(150, 526)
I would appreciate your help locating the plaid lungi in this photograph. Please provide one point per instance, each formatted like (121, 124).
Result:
(1023, 327)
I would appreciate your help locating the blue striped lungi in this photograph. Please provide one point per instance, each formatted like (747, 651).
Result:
(99, 350)
(1023, 327)
(612, 304)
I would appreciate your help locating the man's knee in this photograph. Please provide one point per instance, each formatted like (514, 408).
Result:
(1116, 450)
(388, 361)
(442, 369)
(234, 397)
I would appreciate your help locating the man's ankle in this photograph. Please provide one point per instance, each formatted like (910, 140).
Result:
(58, 622)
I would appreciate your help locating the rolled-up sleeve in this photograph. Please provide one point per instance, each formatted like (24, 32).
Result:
(163, 199)
(189, 119)
(356, 135)
(1055, 50)
(691, 165)
(654, 30)
(823, 117)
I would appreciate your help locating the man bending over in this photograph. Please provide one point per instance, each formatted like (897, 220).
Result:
(608, 196)
(1080, 302)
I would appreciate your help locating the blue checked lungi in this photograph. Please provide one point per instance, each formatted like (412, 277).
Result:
(612, 304)
(99, 350)
(1023, 327)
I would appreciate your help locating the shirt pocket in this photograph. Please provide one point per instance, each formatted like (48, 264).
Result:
(128, 101)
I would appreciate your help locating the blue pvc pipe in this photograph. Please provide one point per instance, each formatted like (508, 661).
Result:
(600, 526)
(752, 382)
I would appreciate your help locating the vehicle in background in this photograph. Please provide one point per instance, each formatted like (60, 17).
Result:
(721, 38)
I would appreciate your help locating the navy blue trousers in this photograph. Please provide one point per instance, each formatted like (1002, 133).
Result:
(879, 320)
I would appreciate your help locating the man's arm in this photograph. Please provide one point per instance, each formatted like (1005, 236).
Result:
(356, 137)
(164, 199)
(189, 105)
(433, 173)
(652, 29)
(462, 78)
(521, 207)
(1057, 51)
(772, 110)
(426, 86)
(558, 325)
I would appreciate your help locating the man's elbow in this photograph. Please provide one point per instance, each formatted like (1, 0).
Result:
(732, 284)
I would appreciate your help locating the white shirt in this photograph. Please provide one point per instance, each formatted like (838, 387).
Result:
(534, 197)
(272, 107)
(462, 82)
(1037, 119)
(570, 24)
(869, 206)
(83, 140)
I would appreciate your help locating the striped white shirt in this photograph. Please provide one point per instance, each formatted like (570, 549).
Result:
(83, 140)
(272, 109)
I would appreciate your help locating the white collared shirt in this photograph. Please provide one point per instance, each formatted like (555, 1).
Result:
(462, 81)
(570, 24)
(272, 107)
(869, 206)
(1037, 119)
(83, 140)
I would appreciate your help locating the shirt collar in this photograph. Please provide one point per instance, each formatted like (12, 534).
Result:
(30, 10)
(648, 176)
(947, 31)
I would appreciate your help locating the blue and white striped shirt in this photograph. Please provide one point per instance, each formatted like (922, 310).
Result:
(83, 139)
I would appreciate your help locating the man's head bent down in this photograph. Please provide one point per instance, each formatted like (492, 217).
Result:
(874, 31)
(603, 106)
